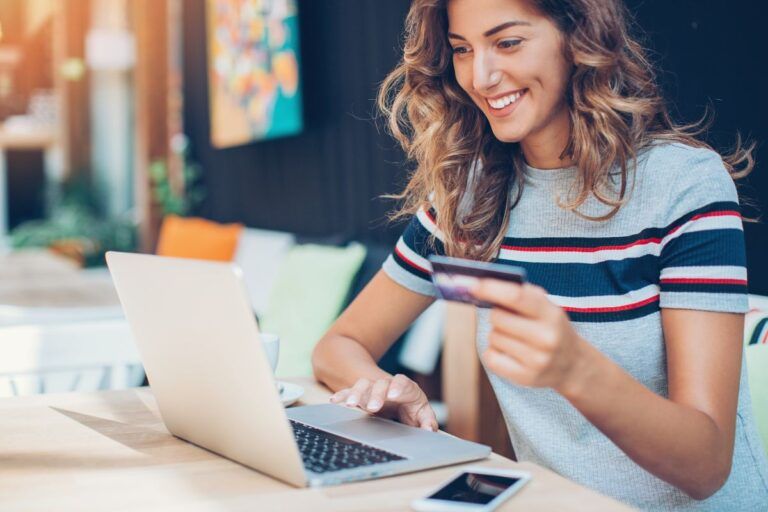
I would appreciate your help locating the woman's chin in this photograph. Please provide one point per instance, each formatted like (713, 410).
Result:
(505, 134)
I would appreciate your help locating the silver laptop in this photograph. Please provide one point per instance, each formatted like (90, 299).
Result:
(199, 343)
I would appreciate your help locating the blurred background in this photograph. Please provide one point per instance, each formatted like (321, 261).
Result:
(243, 130)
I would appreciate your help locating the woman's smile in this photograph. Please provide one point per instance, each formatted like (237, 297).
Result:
(503, 105)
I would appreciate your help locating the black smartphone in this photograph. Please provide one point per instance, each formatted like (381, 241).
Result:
(454, 277)
(474, 490)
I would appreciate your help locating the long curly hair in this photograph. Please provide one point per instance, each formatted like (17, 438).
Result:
(616, 110)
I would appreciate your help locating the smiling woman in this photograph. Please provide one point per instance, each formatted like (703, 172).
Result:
(540, 140)
(517, 66)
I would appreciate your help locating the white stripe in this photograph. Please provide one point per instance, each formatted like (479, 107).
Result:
(413, 256)
(429, 225)
(607, 301)
(651, 248)
(705, 224)
(704, 272)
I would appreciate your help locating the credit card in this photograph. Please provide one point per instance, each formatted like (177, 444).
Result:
(454, 277)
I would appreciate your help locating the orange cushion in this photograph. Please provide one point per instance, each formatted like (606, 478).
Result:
(198, 238)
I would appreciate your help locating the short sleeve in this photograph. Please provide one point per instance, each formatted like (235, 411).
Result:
(407, 265)
(703, 257)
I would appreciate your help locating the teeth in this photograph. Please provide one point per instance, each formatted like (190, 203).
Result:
(506, 100)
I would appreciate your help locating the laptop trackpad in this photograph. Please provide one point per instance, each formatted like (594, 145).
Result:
(369, 429)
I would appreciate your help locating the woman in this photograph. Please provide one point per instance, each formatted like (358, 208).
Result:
(541, 140)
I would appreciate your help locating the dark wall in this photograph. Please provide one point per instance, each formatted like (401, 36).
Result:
(713, 53)
(326, 180)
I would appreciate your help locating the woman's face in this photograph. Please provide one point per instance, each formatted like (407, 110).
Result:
(509, 59)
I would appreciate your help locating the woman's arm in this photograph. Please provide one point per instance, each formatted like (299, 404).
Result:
(345, 358)
(687, 439)
(365, 330)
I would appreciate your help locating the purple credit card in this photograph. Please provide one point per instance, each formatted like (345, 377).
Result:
(454, 277)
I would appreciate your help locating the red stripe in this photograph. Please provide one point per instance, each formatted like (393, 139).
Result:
(582, 249)
(686, 280)
(430, 217)
(411, 263)
(611, 309)
(765, 338)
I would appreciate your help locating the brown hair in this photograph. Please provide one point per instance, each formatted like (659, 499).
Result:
(616, 110)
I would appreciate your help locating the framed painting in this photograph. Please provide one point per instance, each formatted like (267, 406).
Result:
(253, 70)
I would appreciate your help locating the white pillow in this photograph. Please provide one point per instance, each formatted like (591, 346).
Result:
(259, 254)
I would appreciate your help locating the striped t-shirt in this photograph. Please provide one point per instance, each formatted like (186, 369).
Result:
(677, 243)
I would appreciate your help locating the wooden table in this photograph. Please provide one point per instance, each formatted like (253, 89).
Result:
(110, 451)
(40, 287)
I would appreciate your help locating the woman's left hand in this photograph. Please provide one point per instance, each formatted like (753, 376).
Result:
(532, 341)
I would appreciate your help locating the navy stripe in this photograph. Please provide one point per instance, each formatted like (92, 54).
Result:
(410, 268)
(588, 242)
(703, 288)
(701, 248)
(584, 242)
(420, 240)
(617, 316)
(614, 277)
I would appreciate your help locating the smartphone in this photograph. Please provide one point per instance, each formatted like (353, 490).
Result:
(475, 489)
(454, 277)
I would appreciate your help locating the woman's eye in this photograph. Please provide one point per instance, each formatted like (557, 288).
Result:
(458, 50)
(509, 43)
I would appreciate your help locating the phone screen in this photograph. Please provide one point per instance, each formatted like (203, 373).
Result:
(476, 488)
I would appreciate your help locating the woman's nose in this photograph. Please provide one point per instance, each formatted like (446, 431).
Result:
(486, 75)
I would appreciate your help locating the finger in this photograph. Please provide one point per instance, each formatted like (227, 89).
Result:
(523, 353)
(427, 419)
(534, 332)
(504, 366)
(526, 299)
(358, 390)
(340, 395)
(402, 390)
(378, 395)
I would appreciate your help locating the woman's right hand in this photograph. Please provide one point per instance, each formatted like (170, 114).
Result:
(397, 394)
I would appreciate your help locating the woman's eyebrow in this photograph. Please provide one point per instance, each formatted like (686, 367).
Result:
(494, 30)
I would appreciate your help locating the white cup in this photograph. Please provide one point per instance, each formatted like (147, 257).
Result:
(271, 344)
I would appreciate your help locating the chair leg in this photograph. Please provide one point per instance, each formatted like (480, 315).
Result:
(106, 378)
(75, 382)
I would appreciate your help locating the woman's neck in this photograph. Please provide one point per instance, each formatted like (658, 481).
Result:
(542, 149)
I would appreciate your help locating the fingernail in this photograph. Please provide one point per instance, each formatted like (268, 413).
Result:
(393, 393)
(351, 401)
(374, 404)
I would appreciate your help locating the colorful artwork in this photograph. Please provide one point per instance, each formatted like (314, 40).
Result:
(253, 70)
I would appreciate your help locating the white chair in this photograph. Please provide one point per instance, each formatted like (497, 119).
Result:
(79, 356)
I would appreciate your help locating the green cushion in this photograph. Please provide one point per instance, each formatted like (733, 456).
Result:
(311, 287)
(757, 370)
(756, 355)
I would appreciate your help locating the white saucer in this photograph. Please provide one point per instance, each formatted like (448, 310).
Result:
(290, 392)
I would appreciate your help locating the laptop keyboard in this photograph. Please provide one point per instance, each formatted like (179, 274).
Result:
(323, 451)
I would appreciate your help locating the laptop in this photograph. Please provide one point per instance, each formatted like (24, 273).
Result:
(199, 343)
